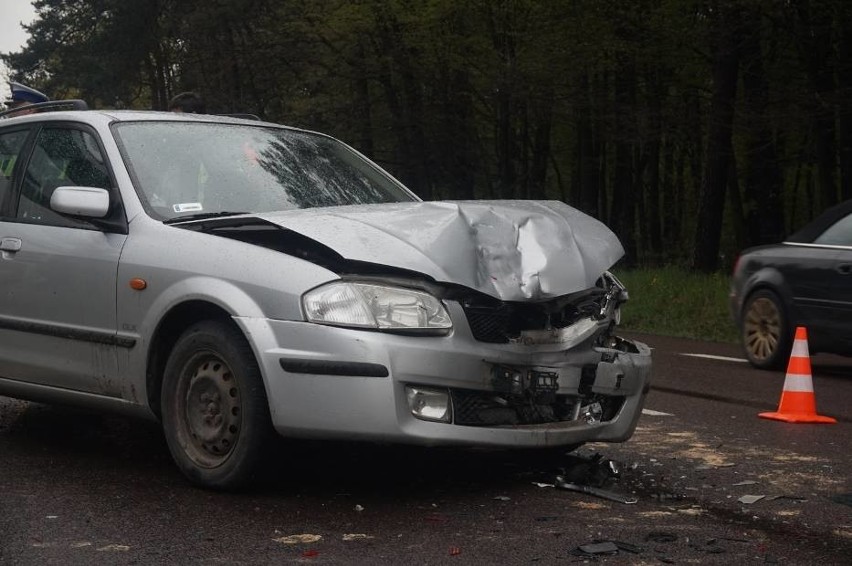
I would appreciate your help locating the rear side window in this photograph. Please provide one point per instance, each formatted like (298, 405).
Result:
(60, 157)
(838, 234)
(11, 144)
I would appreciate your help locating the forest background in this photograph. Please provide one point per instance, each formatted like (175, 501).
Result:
(693, 128)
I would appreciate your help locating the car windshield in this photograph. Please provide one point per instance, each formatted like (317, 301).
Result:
(193, 169)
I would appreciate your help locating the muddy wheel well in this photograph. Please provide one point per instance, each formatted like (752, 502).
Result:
(170, 328)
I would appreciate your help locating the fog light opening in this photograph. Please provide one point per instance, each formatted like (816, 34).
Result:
(591, 413)
(429, 404)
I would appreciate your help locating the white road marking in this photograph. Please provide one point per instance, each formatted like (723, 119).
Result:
(652, 413)
(711, 357)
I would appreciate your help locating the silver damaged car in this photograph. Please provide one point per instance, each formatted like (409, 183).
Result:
(236, 279)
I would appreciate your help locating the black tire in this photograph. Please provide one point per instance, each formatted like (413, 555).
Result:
(767, 336)
(215, 412)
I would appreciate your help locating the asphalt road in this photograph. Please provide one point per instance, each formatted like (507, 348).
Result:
(82, 488)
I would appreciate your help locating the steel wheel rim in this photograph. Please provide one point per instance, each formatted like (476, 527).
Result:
(762, 327)
(211, 411)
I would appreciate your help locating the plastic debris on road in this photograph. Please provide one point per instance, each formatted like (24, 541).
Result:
(114, 548)
(749, 499)
(356, 536)
(589, 475)
(596, 491)
(298, 539)
(605, 548)
(455, 551)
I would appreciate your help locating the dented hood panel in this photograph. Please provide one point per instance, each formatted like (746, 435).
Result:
(510, 250)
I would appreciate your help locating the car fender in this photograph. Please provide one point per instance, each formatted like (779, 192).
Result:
(772, 279)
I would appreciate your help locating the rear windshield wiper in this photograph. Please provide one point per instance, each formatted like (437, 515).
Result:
(201, 216)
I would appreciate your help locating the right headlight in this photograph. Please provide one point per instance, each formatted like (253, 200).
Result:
(375, 306)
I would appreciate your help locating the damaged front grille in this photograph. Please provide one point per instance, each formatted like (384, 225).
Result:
(481, 408)
(500, 322)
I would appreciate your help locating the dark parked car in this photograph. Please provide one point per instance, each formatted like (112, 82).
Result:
(803, 281)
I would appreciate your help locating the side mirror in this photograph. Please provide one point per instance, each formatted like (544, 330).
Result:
(85, 202)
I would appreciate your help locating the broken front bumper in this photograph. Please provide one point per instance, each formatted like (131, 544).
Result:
(328, 382)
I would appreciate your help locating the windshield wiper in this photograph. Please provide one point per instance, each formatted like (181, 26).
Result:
(202, 216)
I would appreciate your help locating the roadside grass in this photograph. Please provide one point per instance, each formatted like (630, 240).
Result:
(673, 301)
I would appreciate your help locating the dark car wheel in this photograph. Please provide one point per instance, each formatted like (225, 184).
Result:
(215, 412)
(765, 330)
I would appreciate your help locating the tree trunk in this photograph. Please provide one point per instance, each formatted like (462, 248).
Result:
(586, 187)
(653, 219)
(763, 182)
(622, 213)
(844, 103)
(540, 150)
(818, 53)
(362, 107)
(712, 201)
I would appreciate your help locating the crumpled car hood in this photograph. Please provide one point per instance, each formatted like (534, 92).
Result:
(510, 250)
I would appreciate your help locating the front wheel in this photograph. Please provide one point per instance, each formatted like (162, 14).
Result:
(765, 329)
(215, 412)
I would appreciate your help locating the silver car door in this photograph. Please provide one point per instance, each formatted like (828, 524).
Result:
(58, 274)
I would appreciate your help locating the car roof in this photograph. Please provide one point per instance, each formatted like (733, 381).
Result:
(112, 116)
(821, 223)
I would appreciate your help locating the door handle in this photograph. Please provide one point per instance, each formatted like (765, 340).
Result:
(844, 268)
(10, 245)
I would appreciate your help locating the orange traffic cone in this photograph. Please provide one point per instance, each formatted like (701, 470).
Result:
(798, 404)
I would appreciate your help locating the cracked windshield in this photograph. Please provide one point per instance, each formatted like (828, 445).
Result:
(183, 169)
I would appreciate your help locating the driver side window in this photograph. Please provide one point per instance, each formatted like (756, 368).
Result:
(61, 157)
(839, 234)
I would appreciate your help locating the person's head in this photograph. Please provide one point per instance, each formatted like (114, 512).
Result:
(23, 96)
(188, 102)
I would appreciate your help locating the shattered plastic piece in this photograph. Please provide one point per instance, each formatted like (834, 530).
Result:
(356, 536)
(594, 471)
(298, 539)
(114, 548)
(52, 517)
(539, 484)
(598, 548)
(744, 482)
(310, 553)
(455, 551)
(784, 496)
(597, 492)
(627, 547)
(652, 413)
(503, 498)
(359, 508)
(749, 499)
